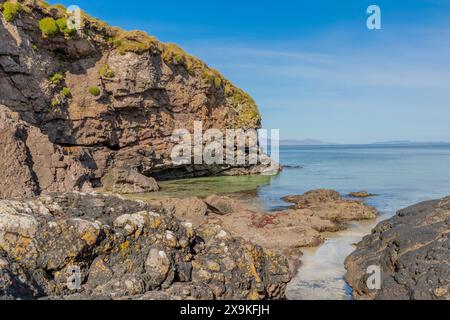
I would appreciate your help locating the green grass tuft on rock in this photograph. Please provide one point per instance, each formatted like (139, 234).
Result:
(48, 27)
(54, 103)
(62, 26)
(134, 41)
(105, 71)
(66, 92)
(11, 10)
(95, 91)
(56, 78)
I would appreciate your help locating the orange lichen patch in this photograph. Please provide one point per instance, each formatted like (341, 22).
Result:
(21, 247)
(124, 247)
(101, 265)
(252, 268)
(154, 222)
(255, 296)
(90, 236)
(72, 150)
(17, 246)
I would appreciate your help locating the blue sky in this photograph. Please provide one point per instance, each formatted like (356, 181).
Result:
(313, 67)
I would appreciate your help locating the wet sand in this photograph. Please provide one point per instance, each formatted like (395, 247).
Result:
(321, 275)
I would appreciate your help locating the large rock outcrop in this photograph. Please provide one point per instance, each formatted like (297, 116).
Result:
(102, 98)
(77, 246)
(30, 162)
(412, 251)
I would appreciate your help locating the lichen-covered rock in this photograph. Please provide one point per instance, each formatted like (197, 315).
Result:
(266, 273)
(15, 281)
(412, 251)
(77, 246)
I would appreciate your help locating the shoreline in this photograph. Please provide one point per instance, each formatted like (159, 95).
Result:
(261, 227)
(221, 222)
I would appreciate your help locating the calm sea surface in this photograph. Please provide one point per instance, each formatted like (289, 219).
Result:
(399, 175)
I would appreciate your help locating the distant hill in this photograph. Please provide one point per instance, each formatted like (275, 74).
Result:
(407, 143)
(304, 142)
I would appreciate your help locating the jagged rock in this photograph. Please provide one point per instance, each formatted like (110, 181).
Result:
(223, 205)
(412, 250)
(17, 176)
(128, 181)
(15, 281)
(123, 249)
(192, 209)
(31, 164)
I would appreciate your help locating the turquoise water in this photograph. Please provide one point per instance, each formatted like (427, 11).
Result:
(400, 175)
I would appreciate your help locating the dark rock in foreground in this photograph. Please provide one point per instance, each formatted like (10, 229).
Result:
(126, 250)
(413, 251)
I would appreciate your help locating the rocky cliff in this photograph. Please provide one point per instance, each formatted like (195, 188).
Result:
(412, 251)
(76, 104)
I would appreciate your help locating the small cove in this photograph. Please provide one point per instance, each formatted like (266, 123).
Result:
(399, 175)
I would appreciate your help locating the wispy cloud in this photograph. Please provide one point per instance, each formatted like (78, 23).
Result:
(395, 61)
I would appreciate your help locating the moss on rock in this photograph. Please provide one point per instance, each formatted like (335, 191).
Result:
(11, 10)
(62, 26)
(105, 71)
(95, 91)
(133, 41)
(56, 78)
(244, 105)
(66, 92)
(48, 27)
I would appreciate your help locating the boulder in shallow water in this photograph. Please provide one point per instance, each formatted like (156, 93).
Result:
(313, 197)
(329, 204)
(361, 194)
